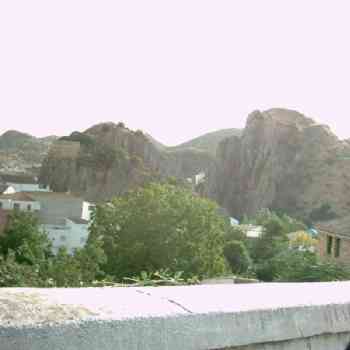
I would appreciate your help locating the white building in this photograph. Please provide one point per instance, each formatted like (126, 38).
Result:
(72, 235)
(253, 231)
(20, 201)
(64, 217)
(199, 178)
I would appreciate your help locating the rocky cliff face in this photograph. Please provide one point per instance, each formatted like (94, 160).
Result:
(283, 160)
(109, 159)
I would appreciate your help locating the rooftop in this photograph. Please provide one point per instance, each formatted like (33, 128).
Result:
(18, 196)
(43, 194)
(339, 226)
(78, 221)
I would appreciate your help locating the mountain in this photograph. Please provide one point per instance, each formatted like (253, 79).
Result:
(208, 142)
(283, 161)
(14, 139)
(109, 159)
(156, 143)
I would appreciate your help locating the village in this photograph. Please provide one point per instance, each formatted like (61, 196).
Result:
(62, 216)
(65, 218)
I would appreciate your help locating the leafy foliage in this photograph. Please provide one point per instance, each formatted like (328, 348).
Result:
(237, 256)
(14, 274)
(302, 266)
(23, 236)
(26, 258)
(161, 278)
(157, 227)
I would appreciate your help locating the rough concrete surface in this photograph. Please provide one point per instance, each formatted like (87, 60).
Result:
(254, 316)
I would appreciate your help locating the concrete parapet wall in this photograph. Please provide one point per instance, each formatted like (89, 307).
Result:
(242, 317)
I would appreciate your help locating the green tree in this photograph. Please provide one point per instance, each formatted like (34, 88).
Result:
(272, 241)
(23, 235)
(90, 259)
(13, 274)
(63, 270)
(237, 256)
(160, 226)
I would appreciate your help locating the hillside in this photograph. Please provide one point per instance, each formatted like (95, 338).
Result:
(208, 142)
(284, 161)
(20, 152)
(109, 159)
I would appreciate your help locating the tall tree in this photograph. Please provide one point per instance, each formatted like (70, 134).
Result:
(160, 226)
(23, 235)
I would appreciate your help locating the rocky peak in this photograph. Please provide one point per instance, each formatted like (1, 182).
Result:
(112, 159)
(283, 160)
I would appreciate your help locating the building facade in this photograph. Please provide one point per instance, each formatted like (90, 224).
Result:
(20, 201)
(334, 240)
(72, 235)
(63, 217)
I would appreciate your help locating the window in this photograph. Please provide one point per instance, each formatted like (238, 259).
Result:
(29, 207)
(329, 244)
(16, 206)
(83, 240)
(337, 248)
(63, 238)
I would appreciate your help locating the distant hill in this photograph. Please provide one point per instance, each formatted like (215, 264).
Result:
(20, 152)
(12, 139)
(208, 142)
(156, 143)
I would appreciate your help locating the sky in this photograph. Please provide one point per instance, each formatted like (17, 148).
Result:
(173, 68)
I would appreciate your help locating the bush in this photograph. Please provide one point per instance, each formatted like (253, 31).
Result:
(300, 266)
(237, 256)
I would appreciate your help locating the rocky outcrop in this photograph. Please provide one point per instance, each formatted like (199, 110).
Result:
(109, 159)
(283, 160)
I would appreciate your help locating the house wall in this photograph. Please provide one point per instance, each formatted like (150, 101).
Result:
(69, 235)
(79, 234)
(86, 215)
(8, 204)
(57, 234)
(344, 256)
(55, 209)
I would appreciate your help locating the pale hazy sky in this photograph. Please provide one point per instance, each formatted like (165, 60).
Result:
(175, 69)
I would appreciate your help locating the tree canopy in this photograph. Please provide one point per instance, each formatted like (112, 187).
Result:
(160, 226)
